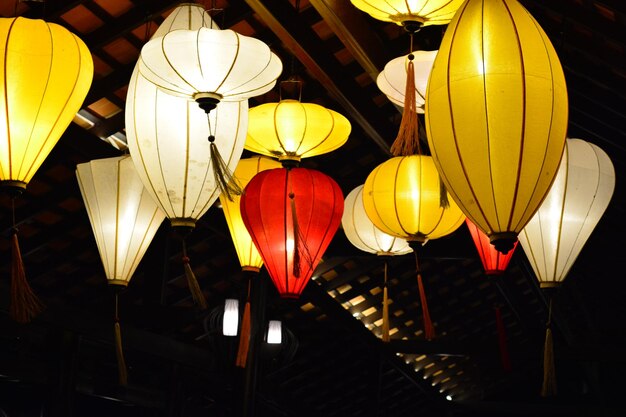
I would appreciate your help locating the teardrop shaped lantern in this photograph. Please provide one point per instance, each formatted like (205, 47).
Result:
(45, 74)
(123, 216)
(291, 130)
(363, 234)
(496, 115)
(292, 216)
(392, 79)
(210, 65)
(249, 257)
(494, 262)
(423, 12)
(402, 198)
(581, 192)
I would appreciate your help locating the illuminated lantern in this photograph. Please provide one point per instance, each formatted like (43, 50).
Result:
(124, 219)
(292, 216)
(577, 200)
(496, 115)
(249, 257)
(291, 130)
(45, 74)
(424, 12)
(392, 79)
(494, 261)
(210, 65)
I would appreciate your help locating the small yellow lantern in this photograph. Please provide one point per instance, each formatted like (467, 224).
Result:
(424, 12)
(496, 115)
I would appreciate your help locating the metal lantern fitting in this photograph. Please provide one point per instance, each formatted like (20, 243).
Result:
(496, 115)
(249, 257)
(412, 13)
(577, 200)
(210, 65)
(363, 234)
(123, 216)
(45, 74)
(494, 262)
(292, 216)
(392, 79)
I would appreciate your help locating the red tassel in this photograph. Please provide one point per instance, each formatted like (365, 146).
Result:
(385, 309)
(429, 329)
(244, 336)
(504, 351)
(25, 305)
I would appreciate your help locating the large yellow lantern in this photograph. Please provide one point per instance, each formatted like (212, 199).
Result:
(249, 257)
(45, 74)
(402, 197)
(577, 200)
(291, 130)
(423, 12)
(496, 115)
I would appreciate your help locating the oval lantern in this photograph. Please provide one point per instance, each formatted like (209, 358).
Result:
(249, 257)
(210, 65)
(402, 198)
(123, 216)
(392, 79)
(291, 130)
(494, 262)
(496, 115)
(581, 192)
(424, 12)
(292, 216)
(363, 234)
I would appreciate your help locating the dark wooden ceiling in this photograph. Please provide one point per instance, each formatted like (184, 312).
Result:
(63, 363)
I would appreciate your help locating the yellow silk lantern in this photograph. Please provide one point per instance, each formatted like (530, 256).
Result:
(249, 257)
(291, 130)
(426, 12)
(402, 197)
(45, 74)
(496, 115)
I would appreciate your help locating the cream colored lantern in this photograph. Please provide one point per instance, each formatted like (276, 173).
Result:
(579, 196)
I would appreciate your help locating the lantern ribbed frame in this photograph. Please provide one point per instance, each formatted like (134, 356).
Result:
(268, 215)
(579, 196)
(123, 216)
(496, 115)
(249, 257)
(402, 198)
(45, 74)
(291, 129)
(426, 12)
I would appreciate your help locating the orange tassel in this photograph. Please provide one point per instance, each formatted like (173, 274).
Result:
(244, 338)
(119, 353)
(25, 305)
(429, 329)
(548, 387)
(385, 309)
(407, 140)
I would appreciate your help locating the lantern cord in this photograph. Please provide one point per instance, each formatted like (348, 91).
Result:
(224, 178)
(443, 194)
(244, 336)
(119, 351)
(549, 372)
(505, 359)
(385, 308)
(25, 304)
(192, 281)
(429, 329)
(407, 141)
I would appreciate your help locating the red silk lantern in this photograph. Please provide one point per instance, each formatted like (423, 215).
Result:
(494, 262)
(275, 201)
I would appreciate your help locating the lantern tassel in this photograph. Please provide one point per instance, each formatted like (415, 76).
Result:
(443, 195)
(300, 250)
(192, 282)
(244, 337)
(225, 180)
(385, 309)
(25, 304)
(505, 359)
(119, 351)
(548, 387)
(407, 141)
(429, 329)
